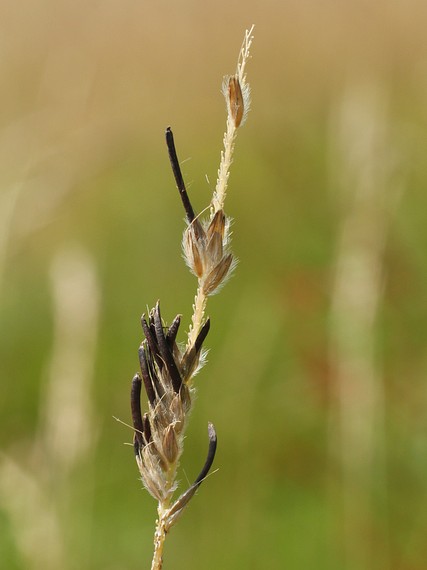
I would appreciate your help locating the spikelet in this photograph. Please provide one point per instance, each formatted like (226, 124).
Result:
(165, 373)
(206, 252)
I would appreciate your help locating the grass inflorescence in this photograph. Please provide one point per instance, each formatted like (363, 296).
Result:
(167, 368)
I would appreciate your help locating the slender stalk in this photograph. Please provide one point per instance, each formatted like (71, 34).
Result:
(197, 319)
(224, 167)
(159, 539)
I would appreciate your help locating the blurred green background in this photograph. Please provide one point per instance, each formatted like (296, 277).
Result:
(316, 380)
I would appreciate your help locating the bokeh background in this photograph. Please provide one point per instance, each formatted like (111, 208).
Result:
(316, 379)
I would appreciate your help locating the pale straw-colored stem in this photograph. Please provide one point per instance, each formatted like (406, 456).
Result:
(199, 308)
(224, 167)
(244, 54)
(159, 538)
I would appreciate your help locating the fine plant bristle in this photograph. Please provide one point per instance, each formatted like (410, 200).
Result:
(167, 369)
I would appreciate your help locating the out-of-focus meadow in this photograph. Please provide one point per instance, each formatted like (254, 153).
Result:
(316, 380)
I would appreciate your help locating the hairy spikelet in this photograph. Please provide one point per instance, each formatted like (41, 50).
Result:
(165, 372)
(206, 252)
